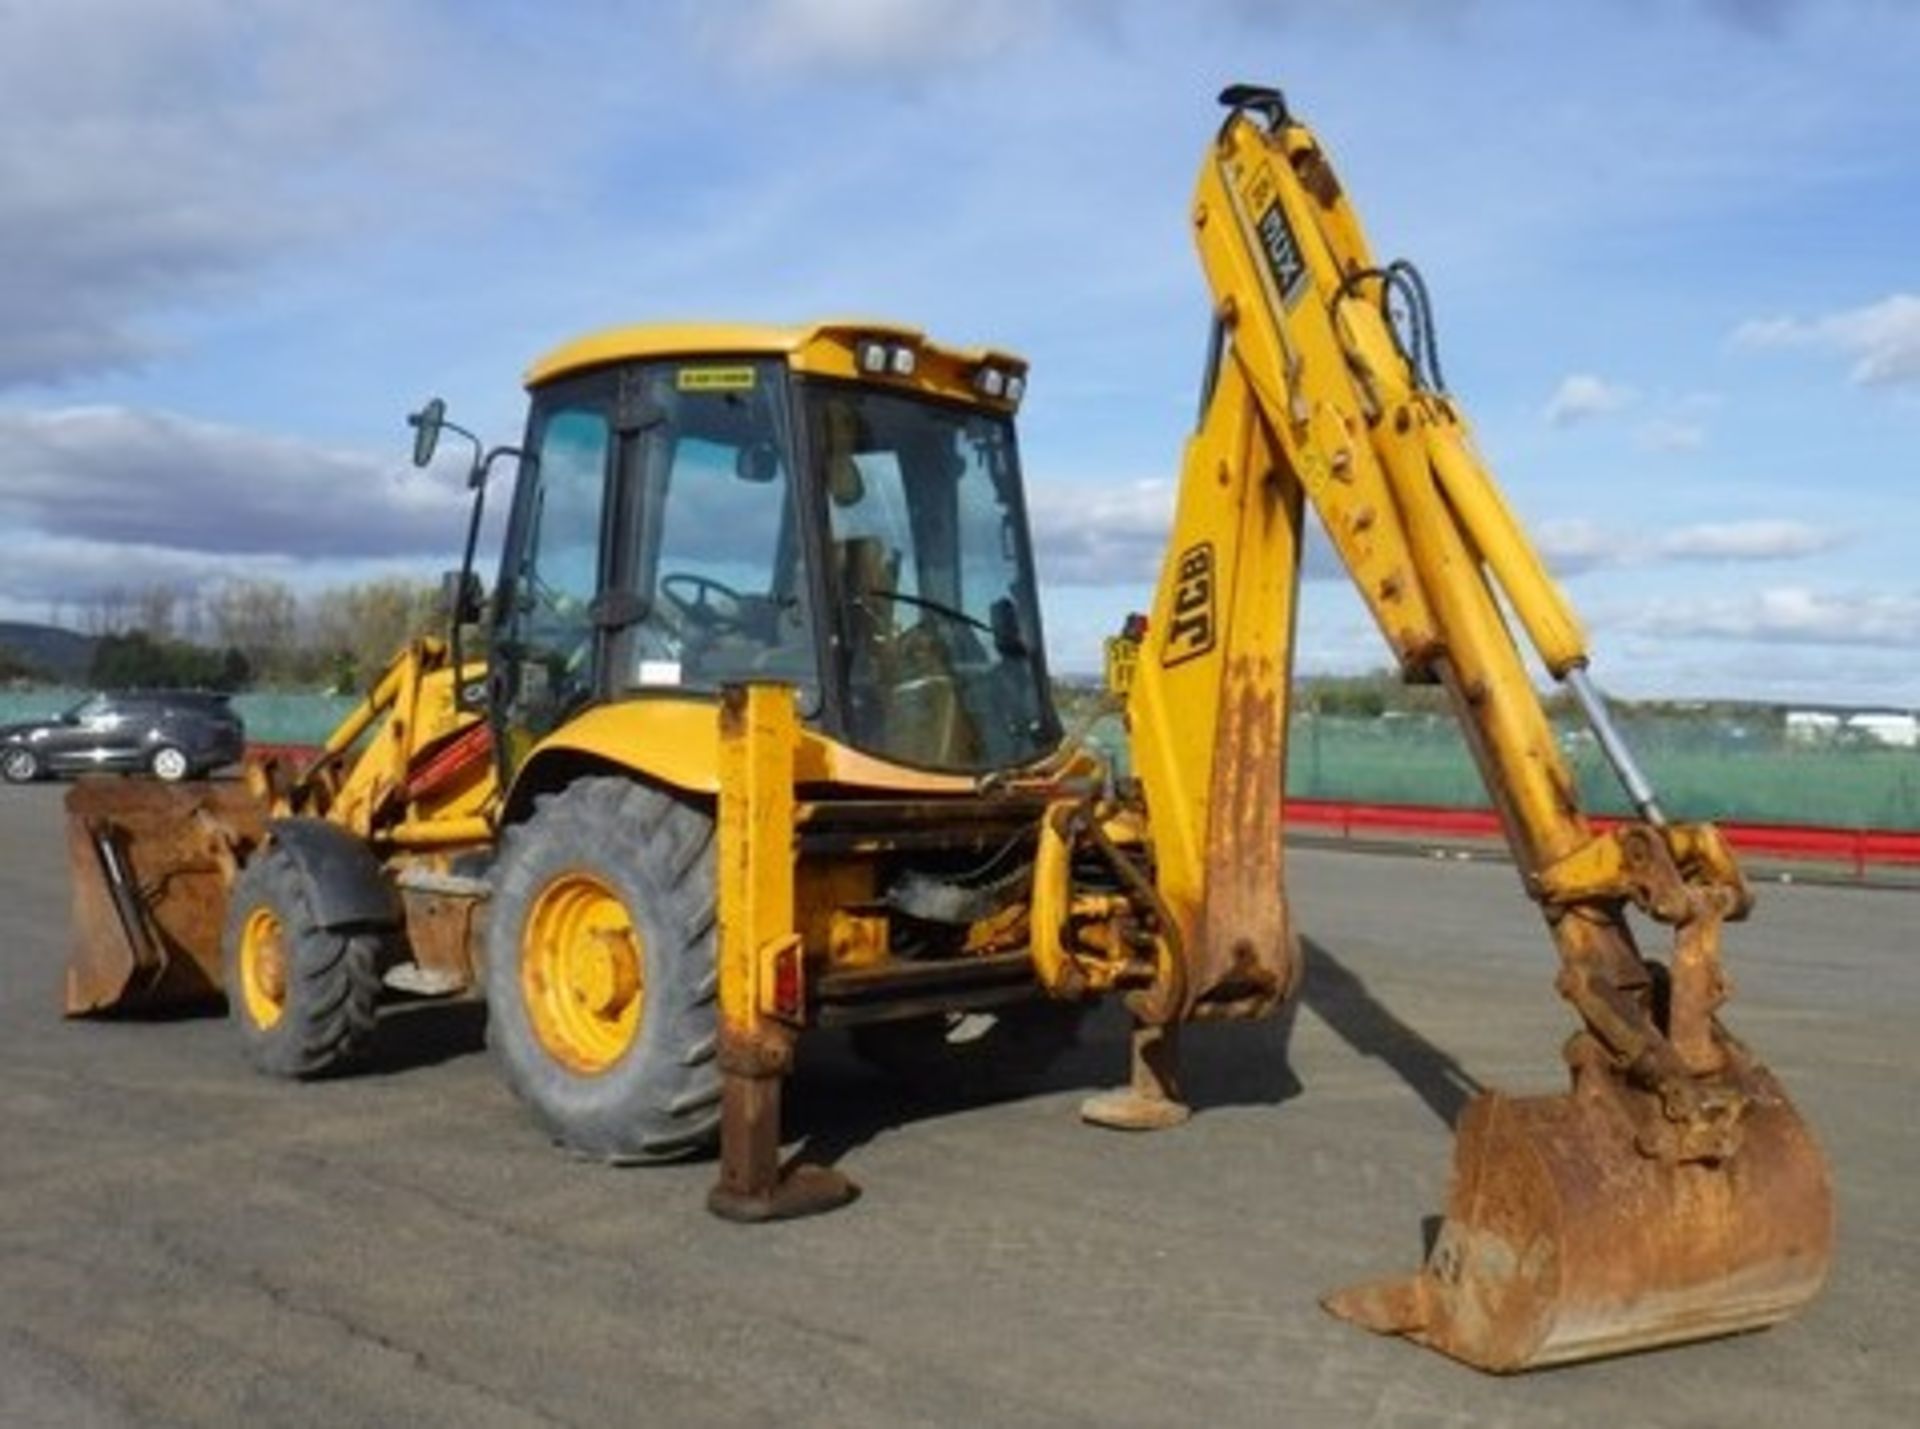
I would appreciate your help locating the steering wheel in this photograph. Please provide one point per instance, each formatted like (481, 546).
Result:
(703, 614)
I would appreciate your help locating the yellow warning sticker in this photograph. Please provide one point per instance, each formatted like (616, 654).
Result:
(714, 379)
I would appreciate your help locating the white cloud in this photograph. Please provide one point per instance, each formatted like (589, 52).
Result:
(97, 496)
(881, 37)
(1581, 396)
(62, 579)
(154, 153)
(1882, 338)
(1117, 534)
(1100, 535)
(1573, 546)
(1790, 615)
(1759, 540)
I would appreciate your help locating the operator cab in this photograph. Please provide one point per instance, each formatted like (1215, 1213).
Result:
(838, 508)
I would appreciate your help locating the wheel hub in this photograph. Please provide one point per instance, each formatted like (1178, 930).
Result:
(263, 968)
(581, 973)
(604, 976)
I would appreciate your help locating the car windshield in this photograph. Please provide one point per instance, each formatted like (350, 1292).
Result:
(932, 579)
(86, 709)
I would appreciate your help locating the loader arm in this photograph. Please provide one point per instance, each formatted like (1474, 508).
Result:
(1716, 1212)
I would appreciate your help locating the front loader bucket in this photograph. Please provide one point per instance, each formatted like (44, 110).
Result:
(150, 864)
(1563, 1241)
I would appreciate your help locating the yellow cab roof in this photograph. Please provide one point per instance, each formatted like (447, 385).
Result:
(824, 348)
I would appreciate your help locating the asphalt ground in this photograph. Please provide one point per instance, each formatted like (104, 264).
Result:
(184, 1242)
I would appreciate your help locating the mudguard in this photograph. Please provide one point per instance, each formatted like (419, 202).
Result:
(343, 881)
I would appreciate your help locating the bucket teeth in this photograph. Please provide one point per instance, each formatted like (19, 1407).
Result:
(1386, 1307)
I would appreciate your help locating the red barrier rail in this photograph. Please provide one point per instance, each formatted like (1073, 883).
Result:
(1856, 847)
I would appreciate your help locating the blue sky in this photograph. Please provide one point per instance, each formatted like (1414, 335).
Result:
(1672, 247)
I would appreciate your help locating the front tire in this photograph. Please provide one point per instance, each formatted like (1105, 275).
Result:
(169, 764)
(303, 996)
(601, 971)
(19, 766)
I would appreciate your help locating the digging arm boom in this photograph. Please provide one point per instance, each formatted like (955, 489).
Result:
(1673, 1193)
(1314, 398)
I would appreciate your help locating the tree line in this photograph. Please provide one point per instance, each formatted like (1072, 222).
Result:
(251, 632)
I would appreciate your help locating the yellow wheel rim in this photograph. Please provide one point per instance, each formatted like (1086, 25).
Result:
(263, 968)
(581, 973)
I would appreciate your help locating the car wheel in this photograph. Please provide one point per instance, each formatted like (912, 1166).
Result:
(19, 766)
(170, 763)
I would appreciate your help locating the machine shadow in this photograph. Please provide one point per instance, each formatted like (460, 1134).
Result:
(1340, 999)
(837, 1104)
(424, 1032)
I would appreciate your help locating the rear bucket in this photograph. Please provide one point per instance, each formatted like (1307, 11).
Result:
(1564, 1242)
(150, 864)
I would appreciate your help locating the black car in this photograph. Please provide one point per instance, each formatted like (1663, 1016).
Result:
(171, 734)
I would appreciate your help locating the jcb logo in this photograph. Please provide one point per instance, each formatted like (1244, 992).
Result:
(1190, 628)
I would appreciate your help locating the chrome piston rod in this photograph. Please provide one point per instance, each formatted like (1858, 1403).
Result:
(1632, 778)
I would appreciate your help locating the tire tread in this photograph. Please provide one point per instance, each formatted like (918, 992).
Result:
(658, 849)
(332, 1006)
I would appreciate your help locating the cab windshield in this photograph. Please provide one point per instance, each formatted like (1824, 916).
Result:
(655, 546)
(931, 580)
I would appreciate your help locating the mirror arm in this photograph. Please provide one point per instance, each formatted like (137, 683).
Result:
(483, 465)
(477, 482)
(455, 623)
(460, 431)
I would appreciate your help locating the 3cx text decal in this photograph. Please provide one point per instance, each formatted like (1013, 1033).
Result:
(1283, 253)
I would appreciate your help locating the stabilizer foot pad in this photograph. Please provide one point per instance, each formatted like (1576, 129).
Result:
(802, 1190)
(1128, 1110)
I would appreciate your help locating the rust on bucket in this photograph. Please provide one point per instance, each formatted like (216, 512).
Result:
(150, 864)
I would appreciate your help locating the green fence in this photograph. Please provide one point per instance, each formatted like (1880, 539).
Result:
(1703, 768)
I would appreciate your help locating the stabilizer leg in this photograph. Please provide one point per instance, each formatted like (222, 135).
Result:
(758, 733)
(753, 1185)
(1151, 1101)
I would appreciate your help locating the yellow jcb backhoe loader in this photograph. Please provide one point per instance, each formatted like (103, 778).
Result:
(772, 749)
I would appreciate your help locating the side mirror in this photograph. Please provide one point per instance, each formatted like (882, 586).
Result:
(426, 424)
(462, 597)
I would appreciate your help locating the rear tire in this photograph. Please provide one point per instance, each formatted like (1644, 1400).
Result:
(19, 766)
(601, 971)
(169, 764)
(972, 1056)
(303, 996)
